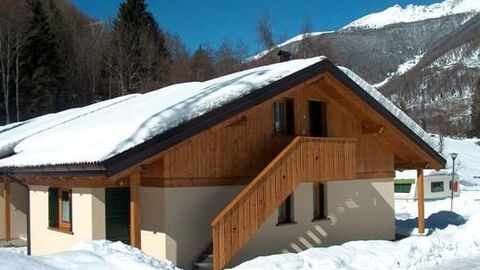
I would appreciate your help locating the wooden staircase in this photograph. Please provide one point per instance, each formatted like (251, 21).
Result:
(304, 159)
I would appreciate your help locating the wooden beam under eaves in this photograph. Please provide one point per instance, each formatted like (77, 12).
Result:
(372, 128)
(411, 165)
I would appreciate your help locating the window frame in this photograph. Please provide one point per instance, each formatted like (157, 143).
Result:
(56, 221)
(285, 109)
(401, 188)
(319, 202)
(278, 111)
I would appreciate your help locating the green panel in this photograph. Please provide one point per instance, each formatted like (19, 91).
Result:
(53, 207)
(117, 214)
(404, 181)
(402, 188)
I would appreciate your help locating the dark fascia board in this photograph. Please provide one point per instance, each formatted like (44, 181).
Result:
(171, 137)
(57, 170)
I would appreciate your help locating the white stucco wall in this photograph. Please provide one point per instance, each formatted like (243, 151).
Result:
(360, 209)
(18, 211)
(176, 221)
(88, 217)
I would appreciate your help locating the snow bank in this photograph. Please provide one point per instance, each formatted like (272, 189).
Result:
(440, 248)
(94, 255)
(412, 13)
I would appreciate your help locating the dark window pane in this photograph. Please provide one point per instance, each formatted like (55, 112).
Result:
(285, 211)
(437, 187)
(317, 118)
(290, 118)
(402, 188)
(278, 117)
(53, 207)
(66, 206)
(319, 202)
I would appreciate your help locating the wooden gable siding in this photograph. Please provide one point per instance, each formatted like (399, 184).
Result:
(241, 147)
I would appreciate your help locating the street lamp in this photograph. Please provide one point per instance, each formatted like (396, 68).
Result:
(453, 156)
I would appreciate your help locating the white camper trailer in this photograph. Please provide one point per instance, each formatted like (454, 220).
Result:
(436, 186)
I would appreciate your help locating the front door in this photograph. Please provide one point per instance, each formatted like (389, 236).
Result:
(117, 214)
(317, 114)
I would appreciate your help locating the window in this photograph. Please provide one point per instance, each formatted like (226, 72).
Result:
(437, 187)
(284, 117)
(60, 209)
(278, 123)
(319, 202)
(285, 211)
(403, 188)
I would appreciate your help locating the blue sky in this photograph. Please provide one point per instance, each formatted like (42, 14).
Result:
(210, 21)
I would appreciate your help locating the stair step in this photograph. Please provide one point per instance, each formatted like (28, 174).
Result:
(203, 266)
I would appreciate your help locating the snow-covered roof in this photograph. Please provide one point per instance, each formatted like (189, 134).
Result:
(99, 131)
(412, 13)
(96, 133)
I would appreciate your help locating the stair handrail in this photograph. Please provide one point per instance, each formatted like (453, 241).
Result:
(255, 181)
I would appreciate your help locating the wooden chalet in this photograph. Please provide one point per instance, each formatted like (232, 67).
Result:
(215, 182)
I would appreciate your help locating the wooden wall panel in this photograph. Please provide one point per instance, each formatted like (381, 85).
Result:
(242, 147)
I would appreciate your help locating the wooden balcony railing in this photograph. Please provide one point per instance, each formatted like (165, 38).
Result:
(305, 159)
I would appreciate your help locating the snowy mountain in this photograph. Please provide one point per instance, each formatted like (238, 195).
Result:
(425, 58)
(411, 13)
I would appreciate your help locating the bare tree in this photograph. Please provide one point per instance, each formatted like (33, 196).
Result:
(306, 44)
(6, 62)
(265, 30)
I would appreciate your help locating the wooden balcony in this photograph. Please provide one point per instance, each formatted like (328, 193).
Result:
(305, 159)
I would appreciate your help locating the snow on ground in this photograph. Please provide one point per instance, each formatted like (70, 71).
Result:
(417, 252)
(454, 247)
(94, 255)
(412, 13)
(402, 69)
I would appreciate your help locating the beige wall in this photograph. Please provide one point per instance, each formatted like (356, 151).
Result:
(18, 211)
(176, 221)
(357, 210)
(88, 217)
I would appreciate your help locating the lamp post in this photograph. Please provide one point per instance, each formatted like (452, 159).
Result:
(453, 156)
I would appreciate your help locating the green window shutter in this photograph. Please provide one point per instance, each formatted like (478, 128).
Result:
(53, 207)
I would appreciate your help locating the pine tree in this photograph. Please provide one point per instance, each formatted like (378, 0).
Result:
(138, 51)
(42, 80)
(476, 110)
